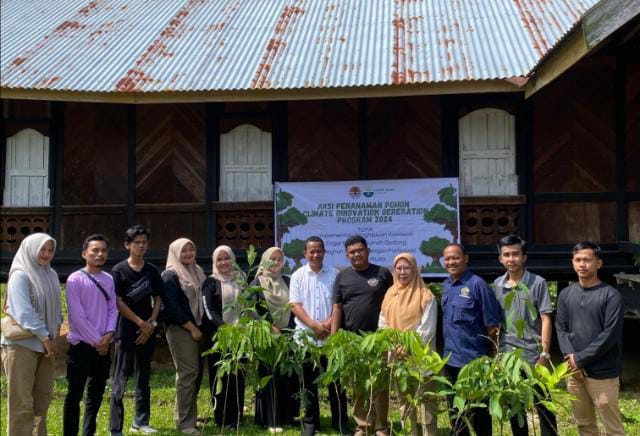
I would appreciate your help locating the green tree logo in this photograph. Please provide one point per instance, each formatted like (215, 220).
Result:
(287, 217)
(444, 213)
(293, 250)
(433, 248)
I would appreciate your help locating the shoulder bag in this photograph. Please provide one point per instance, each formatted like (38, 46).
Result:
(97, 283)
(10, 328)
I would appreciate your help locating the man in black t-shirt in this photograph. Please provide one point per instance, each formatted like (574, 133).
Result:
(357, 298)
(589, 321)
(138, 284)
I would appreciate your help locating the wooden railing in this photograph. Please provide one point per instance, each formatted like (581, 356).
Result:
(237, 224)
(244, 224)
(18, 223)
(484, 220)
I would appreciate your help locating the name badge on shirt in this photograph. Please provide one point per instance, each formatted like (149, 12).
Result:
(464, 292)
(373, 282)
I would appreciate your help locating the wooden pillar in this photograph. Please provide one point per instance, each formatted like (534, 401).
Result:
(56, 168)
(280, 143)
(450, 148)
(620, 85)
(4, 115)
(213, 111)
(131, 165)
(363, 150)
(525, 161)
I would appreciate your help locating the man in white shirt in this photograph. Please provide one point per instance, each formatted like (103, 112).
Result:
(311, 294)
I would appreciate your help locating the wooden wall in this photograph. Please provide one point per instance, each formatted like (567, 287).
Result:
(26, 114)
(323, 140)
(574, 131)
(574, 143)
(95, 172)
(404, 138)
(632, 152)
(95, 154)
(170, 153)
(571, 222)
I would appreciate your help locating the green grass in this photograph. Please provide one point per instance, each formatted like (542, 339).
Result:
(163, 394)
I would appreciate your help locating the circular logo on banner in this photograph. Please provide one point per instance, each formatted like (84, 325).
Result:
(355, 192)
(368, 192)
(373, 282)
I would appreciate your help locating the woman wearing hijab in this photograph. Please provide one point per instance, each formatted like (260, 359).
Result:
(183, 312)
(33, 301)
(276, 403)
(409, 305)
(220, 293)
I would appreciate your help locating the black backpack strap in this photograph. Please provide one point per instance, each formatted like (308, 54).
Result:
(97, 283)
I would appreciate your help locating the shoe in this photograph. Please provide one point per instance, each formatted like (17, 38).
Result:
(274, 430)
(116, 433)
(190, 430)
(146, 429)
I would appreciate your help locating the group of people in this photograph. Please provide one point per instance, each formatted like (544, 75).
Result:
(124, 308)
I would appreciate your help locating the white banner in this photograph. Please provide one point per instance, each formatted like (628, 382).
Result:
(419, 216)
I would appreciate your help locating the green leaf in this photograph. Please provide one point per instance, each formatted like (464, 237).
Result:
(264, 380)
(520, 325)
(251, 255)
(508, 300)
(494, 406)
(509, 321)
(458, 404)
(533, 312)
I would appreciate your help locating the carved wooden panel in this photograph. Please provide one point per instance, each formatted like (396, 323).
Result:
(570, 223)
(244, 224)
(484, 220)
(404, 137)
(634, 221)
(170, 153)
(632, 152)
(323, 140)
(17, 224)
(95, 154)
(574, 130)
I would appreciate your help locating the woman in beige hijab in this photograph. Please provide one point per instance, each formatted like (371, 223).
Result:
(33, 301)
(220, 294)
(276, 404)
(183, 312)
(410, 305)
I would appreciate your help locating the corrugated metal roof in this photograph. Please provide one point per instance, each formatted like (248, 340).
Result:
(207, 45)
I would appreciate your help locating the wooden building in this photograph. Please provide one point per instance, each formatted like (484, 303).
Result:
(554, 156)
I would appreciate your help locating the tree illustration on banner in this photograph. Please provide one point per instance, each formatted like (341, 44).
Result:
(287, 217)
(444, 213)
(433, 248)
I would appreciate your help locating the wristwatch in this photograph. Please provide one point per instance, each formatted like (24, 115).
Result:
(545, 355)
(154, 323)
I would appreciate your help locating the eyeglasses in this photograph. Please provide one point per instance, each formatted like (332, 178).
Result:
(403, 268)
